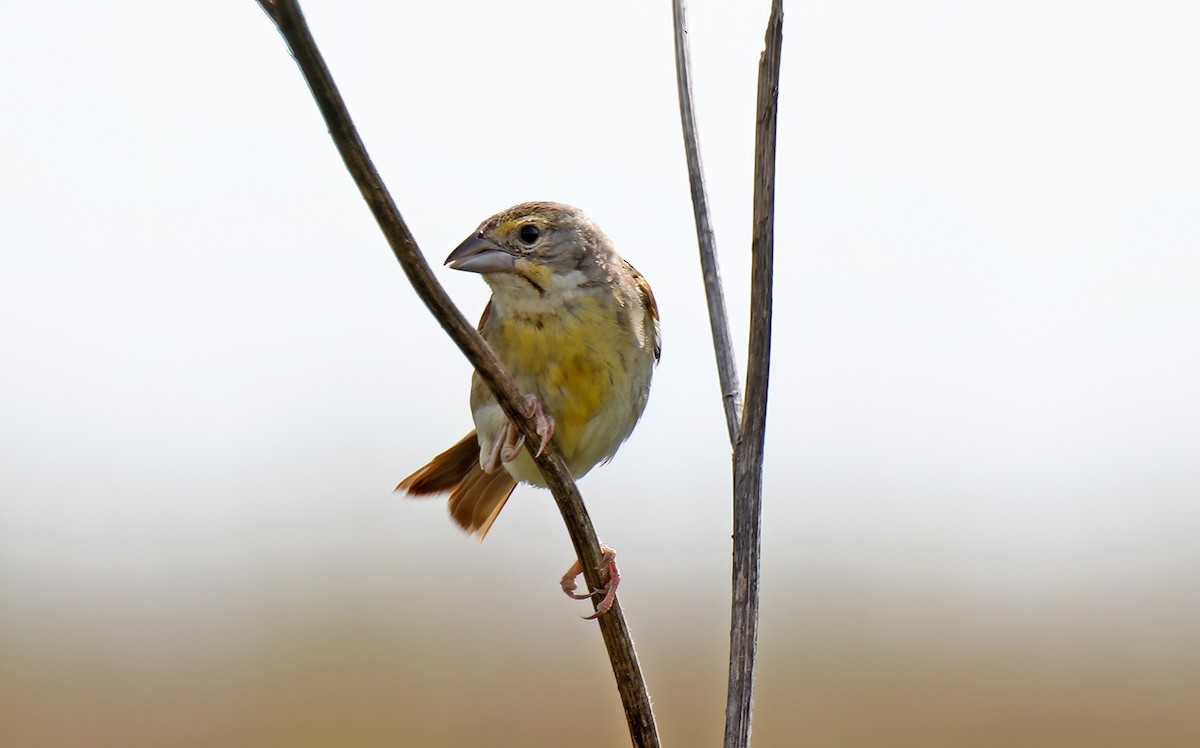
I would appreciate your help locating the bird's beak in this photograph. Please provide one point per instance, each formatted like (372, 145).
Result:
(478, 255)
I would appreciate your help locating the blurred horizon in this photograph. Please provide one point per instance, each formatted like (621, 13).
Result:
(356, 647)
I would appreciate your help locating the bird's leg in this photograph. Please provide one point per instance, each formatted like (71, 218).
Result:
(612, 578)
(511, 437)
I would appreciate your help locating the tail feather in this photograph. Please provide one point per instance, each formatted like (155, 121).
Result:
(477, 501)
(476, 497)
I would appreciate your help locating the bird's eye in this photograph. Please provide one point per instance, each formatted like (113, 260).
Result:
(528, 233)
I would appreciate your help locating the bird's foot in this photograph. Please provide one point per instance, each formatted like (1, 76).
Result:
(612, 578)
(543, 422)
(511, 439)
(510, 442)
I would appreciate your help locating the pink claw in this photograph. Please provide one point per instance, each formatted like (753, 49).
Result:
(544, 423)
(612, 580)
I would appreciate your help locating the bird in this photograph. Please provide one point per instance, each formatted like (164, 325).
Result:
(577, 327)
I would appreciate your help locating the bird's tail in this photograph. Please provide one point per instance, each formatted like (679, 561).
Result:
(476, 497)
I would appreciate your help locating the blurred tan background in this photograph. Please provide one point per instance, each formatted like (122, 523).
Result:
(982, 480)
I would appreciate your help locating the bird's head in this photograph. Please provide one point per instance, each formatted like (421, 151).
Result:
(538, 246)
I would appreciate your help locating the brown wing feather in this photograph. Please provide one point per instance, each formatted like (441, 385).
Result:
(483, 318)
(476, 497)
(643, 287)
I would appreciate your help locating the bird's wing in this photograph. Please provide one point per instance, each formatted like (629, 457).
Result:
(483, 318)
(651, 307)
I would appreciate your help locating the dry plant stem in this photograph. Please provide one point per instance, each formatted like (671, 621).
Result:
(630, 685)
(748, 455)
(747, 427)
(722, 343)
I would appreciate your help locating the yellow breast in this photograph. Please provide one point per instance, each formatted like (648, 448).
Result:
(574, 361)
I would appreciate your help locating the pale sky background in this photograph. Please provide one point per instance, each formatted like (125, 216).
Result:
(984, 381)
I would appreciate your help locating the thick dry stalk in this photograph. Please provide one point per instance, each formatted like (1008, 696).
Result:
(748, 455)
(722, 343)
(634, 697)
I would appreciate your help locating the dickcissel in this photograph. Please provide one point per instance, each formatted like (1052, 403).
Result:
(577, 327)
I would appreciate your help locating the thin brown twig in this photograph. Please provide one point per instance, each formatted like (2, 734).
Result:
(748, 455)
(714, 292)
(630, 684)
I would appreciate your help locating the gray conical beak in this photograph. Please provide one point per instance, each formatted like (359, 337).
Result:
(478, 255)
